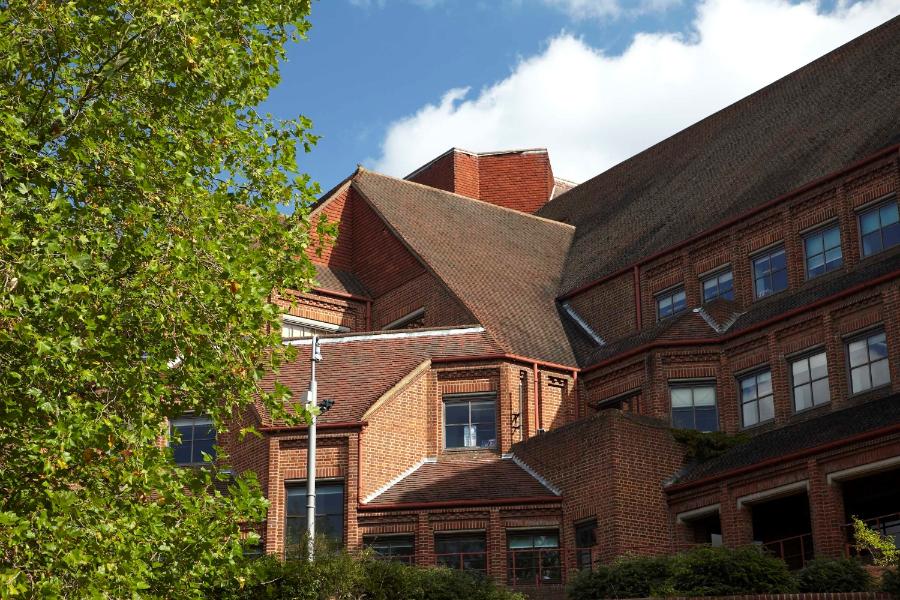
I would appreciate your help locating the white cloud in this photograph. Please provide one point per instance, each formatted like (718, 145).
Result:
(603, 9)
(592, 110)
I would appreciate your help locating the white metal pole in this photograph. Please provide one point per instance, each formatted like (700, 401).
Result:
(311, 402)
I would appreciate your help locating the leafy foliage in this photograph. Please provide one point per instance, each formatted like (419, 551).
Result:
(702, 446)
(140, 240)
(699, 572)
(883, 551)
(834, 575)
(339, 576)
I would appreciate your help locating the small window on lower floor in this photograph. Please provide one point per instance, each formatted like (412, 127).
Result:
(533, 558)
(329, 513)
(465, 552)
(757, 399)
(585, 541)
(809, 378)
(705, 530)
(868, 359)
(399, 548)
(694, 406)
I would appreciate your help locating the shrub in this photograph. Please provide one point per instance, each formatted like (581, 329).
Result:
(702, 446)
(340, 576)
(699, 572)
(890, 583)
(722, 571)
(830, 575)
(629, 577)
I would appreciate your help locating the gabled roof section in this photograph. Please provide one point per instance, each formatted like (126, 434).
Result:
(823, 117)
(478, 477)
(359, 368)
(336, 280)
(503, 265)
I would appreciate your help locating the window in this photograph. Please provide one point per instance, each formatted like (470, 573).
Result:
(532, 558)
(197, 437)
(718, 285)
(399, 548)
(470, 422)
(329, 512)
(770, 272)
(694, 407)
(466, 552)
(823, 251)
(757, 400)
(868, 362)
(670, 303)
(585, 540)
(879, 228)
(627, 402)
(809, 379)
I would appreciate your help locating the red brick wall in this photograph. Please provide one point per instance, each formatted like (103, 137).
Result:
(338, 209)
(380, 260)
(439, 174)
(466, 175)
(424, 291)
(388, 449)
(611, 468)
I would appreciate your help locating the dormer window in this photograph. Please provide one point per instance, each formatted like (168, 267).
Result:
(470, 421)
(718, 285)
(770, 272)
(671, 302)
(879, 227)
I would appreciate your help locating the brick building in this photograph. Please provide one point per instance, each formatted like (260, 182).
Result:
(509, 354)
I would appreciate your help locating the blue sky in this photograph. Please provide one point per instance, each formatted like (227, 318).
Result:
(392, 83)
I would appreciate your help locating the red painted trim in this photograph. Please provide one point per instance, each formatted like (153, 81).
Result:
(538, 409)
(459, 503)
(335, 425)
(862, 437)
(342, 295)
(637, 297)
(512, 357)
(762, 324)
(728, 223)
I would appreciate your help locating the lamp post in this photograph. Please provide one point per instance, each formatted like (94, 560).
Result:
(311, 401)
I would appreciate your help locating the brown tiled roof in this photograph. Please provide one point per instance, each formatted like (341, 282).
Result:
(485, 477)
(838, 425)
(504, 265)
(339, 281)
(357, 373)
(838, 109)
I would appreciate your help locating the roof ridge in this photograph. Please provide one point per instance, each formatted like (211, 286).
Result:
(363, 170)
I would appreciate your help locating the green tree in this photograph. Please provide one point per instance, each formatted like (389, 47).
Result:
(140, 240)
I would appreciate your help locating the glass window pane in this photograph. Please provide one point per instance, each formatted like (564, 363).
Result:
(764, 383)
(890, 235)
(818, 365)
(483, 412)
(457, 413)
(815, 265)
(547, 540)
(888, 214)
(201, 446)
(881, 373)
(868, 222)
(871, 243)
(779, 281)
(766, 409)
(877, 346)
(705, 396)
(681, 397)
(186, 432)
(833, 259)
(833, 238)
(803, 397)
(455, 436)
(748, 388)
(707, 419)
(859, 378)
(749, 411)
(760, 267)
(821, 392)
(485, 435)
(858, 353)
(800, 371)
(709, 288)
(515, 542)
(814, 244)
(682, 418)
(678, 301)
(181, 453)
(777, 260)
